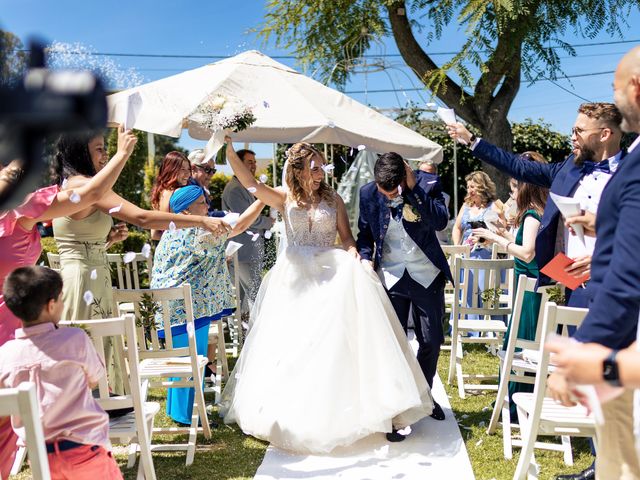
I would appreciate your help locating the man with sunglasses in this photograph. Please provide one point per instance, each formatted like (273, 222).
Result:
(201, 174)
(595, 139)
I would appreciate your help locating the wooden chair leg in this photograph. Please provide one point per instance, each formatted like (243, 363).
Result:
(566, 450)
(201, 408)
(21, 454)
(459, 374)
(507, 446)
(452, 357)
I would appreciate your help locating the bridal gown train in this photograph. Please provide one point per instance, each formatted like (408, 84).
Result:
(326, 361)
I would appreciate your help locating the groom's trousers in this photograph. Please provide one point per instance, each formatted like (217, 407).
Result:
(426, 305)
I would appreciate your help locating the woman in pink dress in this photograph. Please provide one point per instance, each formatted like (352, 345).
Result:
(20, 245)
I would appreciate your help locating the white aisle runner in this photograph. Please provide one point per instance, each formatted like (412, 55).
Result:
(434, 450)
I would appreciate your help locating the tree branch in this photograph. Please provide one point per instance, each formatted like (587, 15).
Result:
(421, 63)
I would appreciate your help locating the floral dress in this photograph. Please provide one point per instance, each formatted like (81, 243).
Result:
(192, 255)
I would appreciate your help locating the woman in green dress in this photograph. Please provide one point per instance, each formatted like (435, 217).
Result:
(83, 238)
(530, 201)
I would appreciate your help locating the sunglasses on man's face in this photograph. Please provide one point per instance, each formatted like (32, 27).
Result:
(207, 170)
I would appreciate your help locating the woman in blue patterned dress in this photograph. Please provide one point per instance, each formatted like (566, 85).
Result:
(191, 255)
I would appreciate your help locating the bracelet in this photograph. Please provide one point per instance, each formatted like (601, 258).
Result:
(506, 249)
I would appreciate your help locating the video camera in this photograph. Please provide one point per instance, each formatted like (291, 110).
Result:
(46, 103)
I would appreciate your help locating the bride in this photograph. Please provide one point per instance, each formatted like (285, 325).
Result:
(326, 361)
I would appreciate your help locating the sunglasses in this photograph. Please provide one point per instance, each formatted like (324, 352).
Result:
(207, 170)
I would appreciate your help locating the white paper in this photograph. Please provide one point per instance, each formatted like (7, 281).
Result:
(134, 105)
(232, 247)
(231, 218)
(215, 143)
(447, 115)
(569, 207)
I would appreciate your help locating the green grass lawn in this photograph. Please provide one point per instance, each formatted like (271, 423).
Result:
(230, 455)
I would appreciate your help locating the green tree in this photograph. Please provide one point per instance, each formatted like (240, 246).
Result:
(505, 40)
(12, 58)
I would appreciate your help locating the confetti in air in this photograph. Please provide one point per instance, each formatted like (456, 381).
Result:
(268, 234)
(265, 104)
(328, 168)
(146, 250)
(74, 197)
(172, 226)
(254, 236)
(115, 209)
(399, 190)
(94, 274)
(330, 124)
(129, 257)
(65, 182)
(252, 189)
(264, 178)
(361, 147)
(351, 151)
(313, 164)
(88, 297)
(190, 329)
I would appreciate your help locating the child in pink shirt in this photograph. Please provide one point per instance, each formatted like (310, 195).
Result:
(64, 366)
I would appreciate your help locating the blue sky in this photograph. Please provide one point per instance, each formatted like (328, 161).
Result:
(220, 27)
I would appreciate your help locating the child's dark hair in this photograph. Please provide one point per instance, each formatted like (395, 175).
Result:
(27, 290)
(389, 171)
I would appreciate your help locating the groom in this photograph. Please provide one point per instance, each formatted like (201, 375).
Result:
(400, 213)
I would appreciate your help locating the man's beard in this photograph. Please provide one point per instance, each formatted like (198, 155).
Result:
(585, 154)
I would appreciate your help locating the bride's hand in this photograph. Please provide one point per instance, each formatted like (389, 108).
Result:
(352, 250)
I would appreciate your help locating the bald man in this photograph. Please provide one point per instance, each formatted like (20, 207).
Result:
(614, 289)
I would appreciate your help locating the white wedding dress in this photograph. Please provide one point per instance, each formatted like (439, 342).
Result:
(326, 361)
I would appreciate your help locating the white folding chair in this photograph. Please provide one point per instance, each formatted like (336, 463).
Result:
(161, 360)
(539, 415)
(466, 275)
(451, 252)
(514, 367)
(130, 273)
(54, 261)
(22, 404)
(135, 427)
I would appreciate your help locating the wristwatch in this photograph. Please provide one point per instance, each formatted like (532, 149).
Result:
(610, 369)
(472, 139)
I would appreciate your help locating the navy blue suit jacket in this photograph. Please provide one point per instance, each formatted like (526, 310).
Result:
(561, 178)
(614, 288)
(426, 197)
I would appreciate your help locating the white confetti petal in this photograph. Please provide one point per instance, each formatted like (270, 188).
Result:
(146, 250)
(190, 329)
(268, 234)
(264, 178)
(65, 182)
(313, 164)
(115, 209)
(74, 197)
(431, 105)
(252, 189)
(88, 297)
(328, 168)
(361, 147)
(399, 190)
(351, 151)
(42, 263)
(405, 431)
(478, 443)
(172, 226)
(331, 124)
(265, 104)
(129, 257)
(94, 274)
(255, 237)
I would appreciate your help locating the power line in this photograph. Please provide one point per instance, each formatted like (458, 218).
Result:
(391, 90)
(293, 57)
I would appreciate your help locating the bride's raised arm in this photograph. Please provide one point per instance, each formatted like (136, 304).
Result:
(271, 196)
(344, 230)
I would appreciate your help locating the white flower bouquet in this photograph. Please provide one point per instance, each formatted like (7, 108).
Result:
(219, 112)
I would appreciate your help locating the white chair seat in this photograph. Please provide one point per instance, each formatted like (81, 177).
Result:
(125, 426)
(169, 367)
(553, 412)
(482, 325)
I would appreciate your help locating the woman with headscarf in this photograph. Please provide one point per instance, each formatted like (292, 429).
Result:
(192, 256)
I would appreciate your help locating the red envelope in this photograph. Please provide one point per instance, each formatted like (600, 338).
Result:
(555, 270)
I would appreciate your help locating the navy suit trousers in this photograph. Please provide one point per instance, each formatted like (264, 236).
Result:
(426, 305)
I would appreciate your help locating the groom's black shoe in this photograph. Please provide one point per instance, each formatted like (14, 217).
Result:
(394, 436)
(438, 413)
(587, 474)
